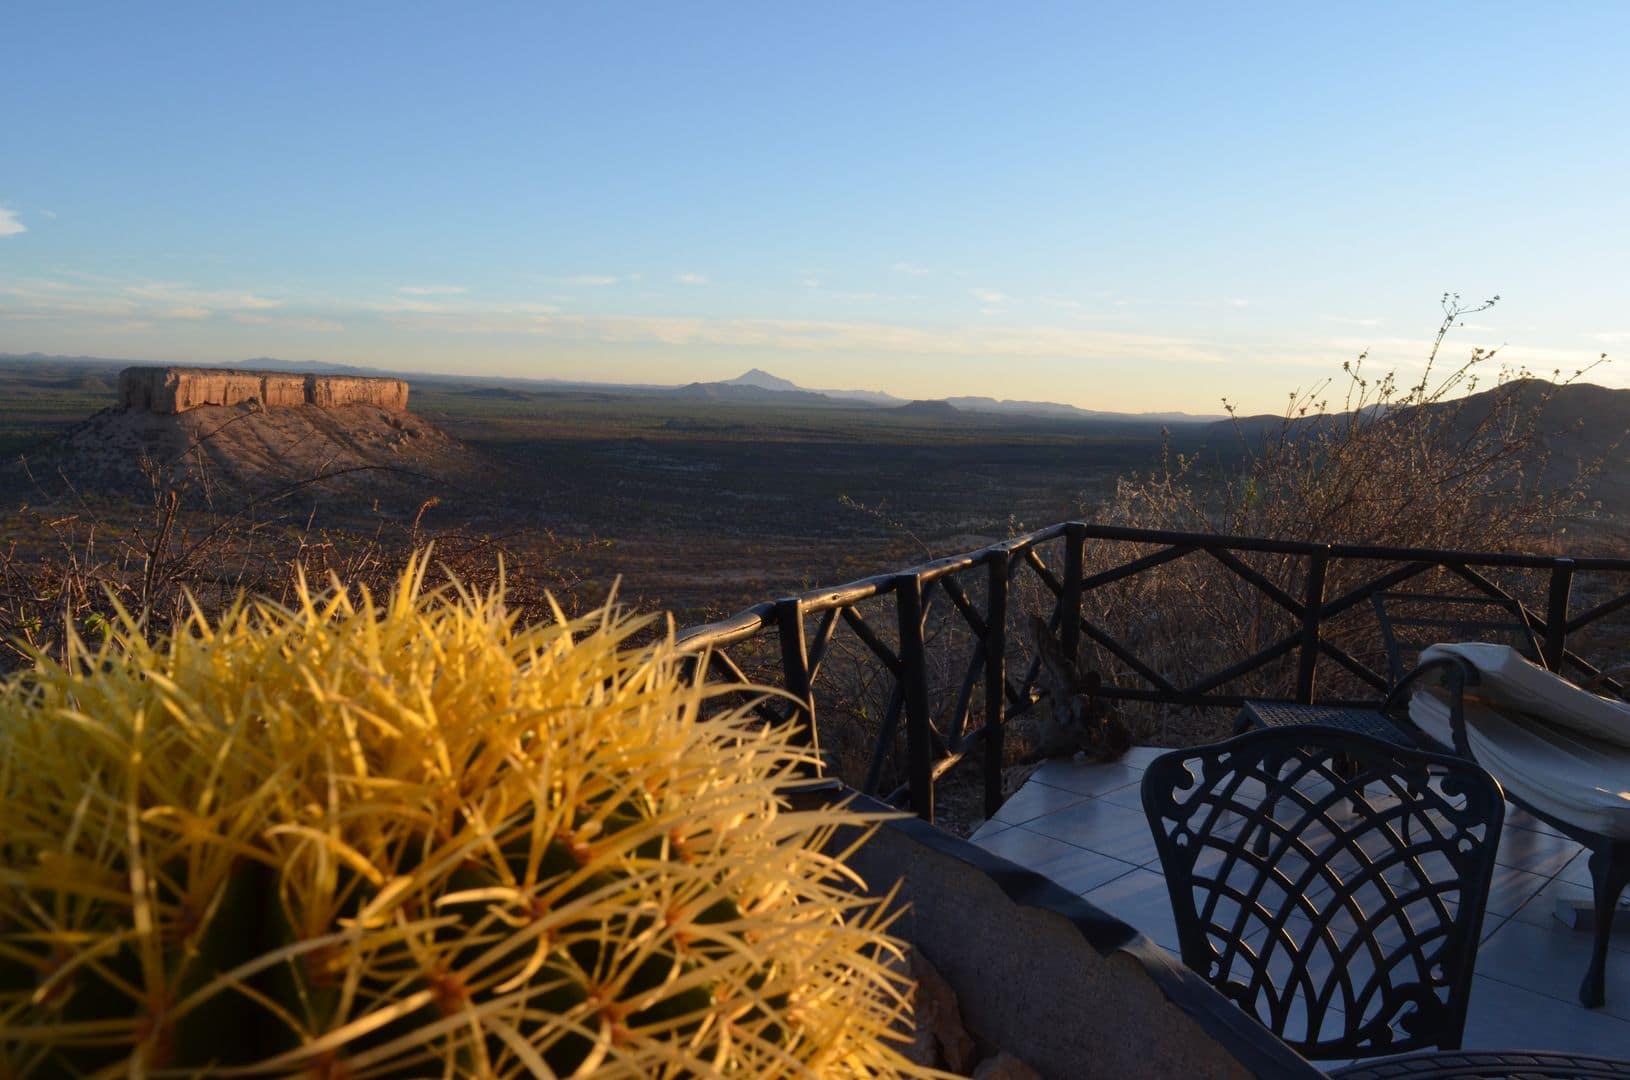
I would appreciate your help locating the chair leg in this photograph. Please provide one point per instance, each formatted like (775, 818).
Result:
(1609, 874)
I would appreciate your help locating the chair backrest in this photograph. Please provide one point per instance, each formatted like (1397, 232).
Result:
(1410, 621)
(1331, 884)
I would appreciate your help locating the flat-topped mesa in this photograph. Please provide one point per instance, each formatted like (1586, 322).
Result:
(171, 390)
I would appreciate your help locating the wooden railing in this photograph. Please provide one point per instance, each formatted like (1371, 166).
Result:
(1286, 622)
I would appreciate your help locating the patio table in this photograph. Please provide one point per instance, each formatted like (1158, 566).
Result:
(1487, 1065)
(1275, 714)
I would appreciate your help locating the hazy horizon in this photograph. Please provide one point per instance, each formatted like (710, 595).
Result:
(1128, 211)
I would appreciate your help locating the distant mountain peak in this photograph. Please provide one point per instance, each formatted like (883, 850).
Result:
(923, 407)
(763, 380)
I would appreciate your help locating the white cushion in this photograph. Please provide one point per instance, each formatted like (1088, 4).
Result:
(1557, 771)
(1511, 682)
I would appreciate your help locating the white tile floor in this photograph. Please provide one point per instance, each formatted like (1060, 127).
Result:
(1083, 826)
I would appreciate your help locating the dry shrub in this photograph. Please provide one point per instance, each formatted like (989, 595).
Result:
(1426, 463)
(66, 563)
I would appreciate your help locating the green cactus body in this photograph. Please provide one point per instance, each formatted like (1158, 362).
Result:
(413, 838)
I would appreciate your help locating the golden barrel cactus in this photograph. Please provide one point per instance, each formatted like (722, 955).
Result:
(413, 837)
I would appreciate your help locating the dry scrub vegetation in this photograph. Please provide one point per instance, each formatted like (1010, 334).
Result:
(1416, 463)
(1400, 465)
(73, 561)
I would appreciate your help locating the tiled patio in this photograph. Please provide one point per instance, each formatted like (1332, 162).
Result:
(1083, 826)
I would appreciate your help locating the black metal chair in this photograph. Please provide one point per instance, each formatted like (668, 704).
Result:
(1408, 621)
(1331, 884)
(1609, 861)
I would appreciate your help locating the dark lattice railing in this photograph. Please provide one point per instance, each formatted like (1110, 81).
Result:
(905, 674)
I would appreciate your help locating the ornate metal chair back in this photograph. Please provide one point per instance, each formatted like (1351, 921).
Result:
(1331, 884)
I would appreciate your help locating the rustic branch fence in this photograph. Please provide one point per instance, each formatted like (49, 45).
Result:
(935, 644)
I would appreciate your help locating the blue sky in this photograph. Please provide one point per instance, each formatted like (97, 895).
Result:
(1127, 206)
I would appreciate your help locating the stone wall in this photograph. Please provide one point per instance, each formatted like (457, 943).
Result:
(177, 389)
(1038, 972)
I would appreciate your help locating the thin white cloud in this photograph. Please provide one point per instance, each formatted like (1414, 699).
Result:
(990, 297)
(1612, 337)
(1077, 309)
(295, 322)
(462, 316)
(592, 280)
(9, 225)
(432, 290)
(49, 215)
(1227, 301)
(142, 301)
(319, 326)
(1345, 320)
(910, 269)
(51, 299)
(793, 335)
(1408, 354)
(691, 279)
(397, 303)
(175, 294)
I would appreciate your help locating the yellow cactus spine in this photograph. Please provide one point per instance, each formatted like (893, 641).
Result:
(415, 837)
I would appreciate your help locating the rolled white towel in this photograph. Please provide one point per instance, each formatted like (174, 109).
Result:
(1512, 683)
(1556, 770)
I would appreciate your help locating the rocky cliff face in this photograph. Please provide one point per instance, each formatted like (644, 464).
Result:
(332, 391)
(171, 390)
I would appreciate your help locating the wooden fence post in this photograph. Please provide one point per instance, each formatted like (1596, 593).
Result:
(1069, 597)
(1308, 661)
(998, 569)
(789, 617)
(1556, 613)
(908, 595)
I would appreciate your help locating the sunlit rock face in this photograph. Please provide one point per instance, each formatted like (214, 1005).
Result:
(332, 391)
(170, 390)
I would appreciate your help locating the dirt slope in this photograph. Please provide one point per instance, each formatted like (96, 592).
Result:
(249, 451)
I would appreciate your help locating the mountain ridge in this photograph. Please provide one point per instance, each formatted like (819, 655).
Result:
(756, 385)
(753, 383)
